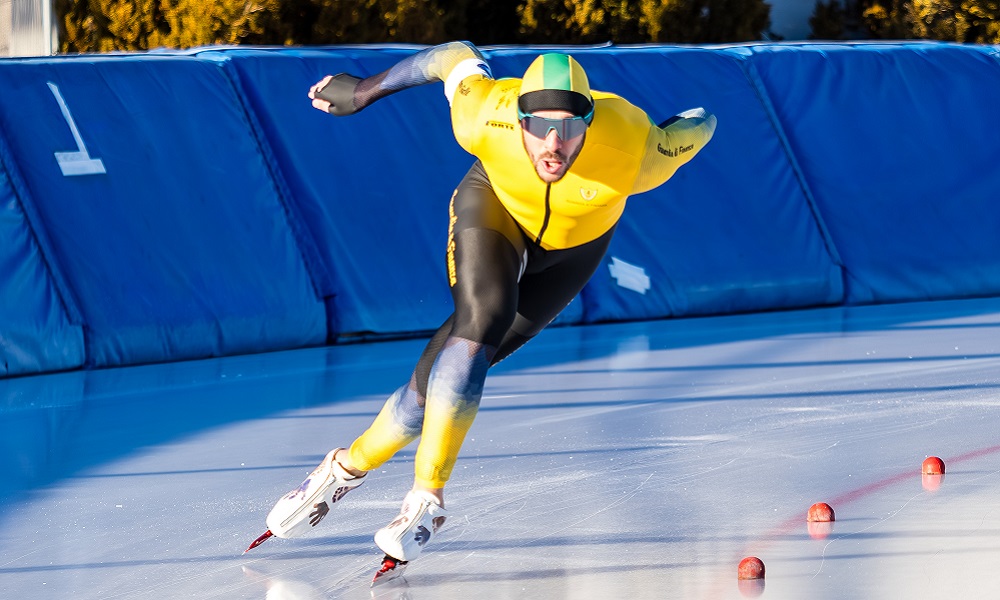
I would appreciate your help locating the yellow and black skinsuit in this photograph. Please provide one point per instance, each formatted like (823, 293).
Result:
(519, 249)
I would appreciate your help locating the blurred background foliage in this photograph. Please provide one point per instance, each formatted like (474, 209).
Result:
(130, 25)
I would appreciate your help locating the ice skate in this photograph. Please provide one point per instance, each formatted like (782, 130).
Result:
(391, 570)
(404, 538)
(418, 520)
(304, 507)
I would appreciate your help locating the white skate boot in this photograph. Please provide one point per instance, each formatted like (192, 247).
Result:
(418, 520)
(305, 506)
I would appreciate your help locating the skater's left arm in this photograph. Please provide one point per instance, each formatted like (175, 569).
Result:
(452, 62)
(671, 144)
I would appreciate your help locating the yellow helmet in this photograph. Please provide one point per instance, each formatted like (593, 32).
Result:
(555, 82)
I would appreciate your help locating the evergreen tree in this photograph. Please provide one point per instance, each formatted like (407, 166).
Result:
(887, 19)
(827, 21)
(936, 20)
(488, 21)
(976, 21)
(108, 25)
(582, 22)
(414, 21)
(983, 20)
(713, 21)
(325, 22)
(193, 23)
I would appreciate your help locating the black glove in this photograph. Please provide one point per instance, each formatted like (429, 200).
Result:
(339, 92)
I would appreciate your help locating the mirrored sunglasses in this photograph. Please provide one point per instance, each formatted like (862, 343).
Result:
(565, 128)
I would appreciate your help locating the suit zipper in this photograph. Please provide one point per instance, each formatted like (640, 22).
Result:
(548, 213)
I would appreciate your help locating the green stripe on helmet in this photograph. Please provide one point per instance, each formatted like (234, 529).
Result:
(555, 82)
(556, 72)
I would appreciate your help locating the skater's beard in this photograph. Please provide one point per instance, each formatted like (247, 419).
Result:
(554, 155)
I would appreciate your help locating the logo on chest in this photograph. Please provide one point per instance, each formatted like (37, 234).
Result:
(589, 197)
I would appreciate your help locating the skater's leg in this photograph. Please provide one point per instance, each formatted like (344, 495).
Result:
(493, 318)
(486, 253)
(485, 306)
(395, 426)
(402, 416)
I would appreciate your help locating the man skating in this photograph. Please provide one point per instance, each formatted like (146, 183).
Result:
(529, 225)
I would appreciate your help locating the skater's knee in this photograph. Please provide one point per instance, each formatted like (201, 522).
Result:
(486, 322)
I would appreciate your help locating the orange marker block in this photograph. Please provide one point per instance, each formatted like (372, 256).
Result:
(821, 512)
(751, 567)
(932, 466)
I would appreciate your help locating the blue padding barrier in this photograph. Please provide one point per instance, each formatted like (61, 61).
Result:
(716, 238)
(35, 332)
(167, 206)
(163, 217)
(899, 146)
(373, 189)
(331, 163)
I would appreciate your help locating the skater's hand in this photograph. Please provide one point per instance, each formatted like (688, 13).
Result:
(317, 515)
(335, 94)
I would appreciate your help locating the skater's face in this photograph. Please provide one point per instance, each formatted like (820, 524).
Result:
(550, 154)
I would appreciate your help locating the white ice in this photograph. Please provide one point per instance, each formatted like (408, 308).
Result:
(638, 460)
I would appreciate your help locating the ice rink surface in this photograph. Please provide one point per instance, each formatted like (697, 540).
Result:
(637, 460)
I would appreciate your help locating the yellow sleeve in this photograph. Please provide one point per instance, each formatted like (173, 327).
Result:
(672, 145)
(470, 97)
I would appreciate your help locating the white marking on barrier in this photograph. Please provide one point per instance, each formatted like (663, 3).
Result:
(79, 162)
(630, 277)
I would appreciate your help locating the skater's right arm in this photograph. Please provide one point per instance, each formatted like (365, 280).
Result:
(452, 62)
(671, 144)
